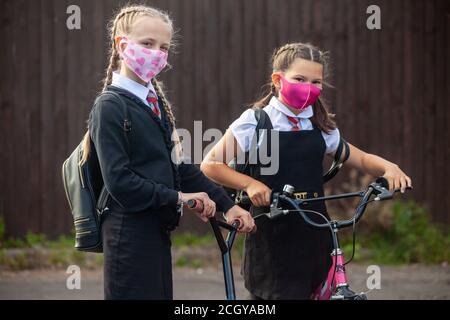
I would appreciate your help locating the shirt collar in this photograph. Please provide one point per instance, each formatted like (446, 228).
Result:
(280, 106)
(132, 86)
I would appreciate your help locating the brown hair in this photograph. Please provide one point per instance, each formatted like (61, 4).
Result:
(281, 60)
(121, 25)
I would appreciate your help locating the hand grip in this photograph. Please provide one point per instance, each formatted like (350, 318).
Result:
(236, 224)
(384, 183)
(195, 205)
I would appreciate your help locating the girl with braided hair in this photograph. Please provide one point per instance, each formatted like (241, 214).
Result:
(146, 189)
(286, 259)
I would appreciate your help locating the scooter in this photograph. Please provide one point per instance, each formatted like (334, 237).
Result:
(225, 246)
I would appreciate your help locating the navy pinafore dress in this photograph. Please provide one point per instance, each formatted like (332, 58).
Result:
(285, 258)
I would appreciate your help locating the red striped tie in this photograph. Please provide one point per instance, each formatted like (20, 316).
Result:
(295, 123)
(153, 102)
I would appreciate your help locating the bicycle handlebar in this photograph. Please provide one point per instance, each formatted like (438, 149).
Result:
(378, 188)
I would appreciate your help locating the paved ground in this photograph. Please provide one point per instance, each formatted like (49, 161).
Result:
(399, 282)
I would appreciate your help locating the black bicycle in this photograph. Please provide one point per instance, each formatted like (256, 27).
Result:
(336, 286)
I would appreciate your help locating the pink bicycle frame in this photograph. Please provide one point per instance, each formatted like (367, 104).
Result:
(328, 288)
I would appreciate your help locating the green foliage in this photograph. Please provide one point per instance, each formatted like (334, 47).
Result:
(187, 239)
(36, 251)
(30, 240)
(13, 243)
(184, 261)
(347, 248)
(63, 242)
(33, 239)
(410, 237)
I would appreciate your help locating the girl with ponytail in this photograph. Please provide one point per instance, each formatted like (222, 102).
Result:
(286, 259)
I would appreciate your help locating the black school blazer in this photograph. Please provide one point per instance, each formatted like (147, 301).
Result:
(145, 179)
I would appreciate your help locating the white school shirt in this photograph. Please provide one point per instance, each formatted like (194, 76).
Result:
(243, 128)
(132, 86)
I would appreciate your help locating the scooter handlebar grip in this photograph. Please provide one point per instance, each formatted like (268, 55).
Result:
(195, 205)
(236, 224)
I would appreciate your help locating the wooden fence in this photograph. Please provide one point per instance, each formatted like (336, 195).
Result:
(391, 86)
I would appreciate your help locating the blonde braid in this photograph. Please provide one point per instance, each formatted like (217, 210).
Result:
(166, 105)
(113, 66)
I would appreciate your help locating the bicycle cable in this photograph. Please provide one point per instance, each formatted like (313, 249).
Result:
(354, 232)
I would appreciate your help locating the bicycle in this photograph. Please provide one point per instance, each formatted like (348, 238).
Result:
(335, 286)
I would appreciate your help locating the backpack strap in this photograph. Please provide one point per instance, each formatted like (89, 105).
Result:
(104, 194)
(262, 123)
(341, 155)
(127, 120)
(263, 120)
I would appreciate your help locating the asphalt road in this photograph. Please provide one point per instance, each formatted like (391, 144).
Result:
(397, 282)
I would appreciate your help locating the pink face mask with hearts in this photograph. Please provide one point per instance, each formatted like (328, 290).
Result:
(299, 95)
(145, 63)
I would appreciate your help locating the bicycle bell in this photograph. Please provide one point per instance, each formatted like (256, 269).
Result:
(288, 190)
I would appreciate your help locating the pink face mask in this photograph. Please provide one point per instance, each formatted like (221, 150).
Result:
(299, 95)
(145, 63)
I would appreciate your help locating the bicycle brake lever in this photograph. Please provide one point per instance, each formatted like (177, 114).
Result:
(275, 212)
(380, 189)
(384, 195)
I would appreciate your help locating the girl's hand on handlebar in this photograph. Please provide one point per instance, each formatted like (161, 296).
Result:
(258, 193)
(246, 222)
(208, 208)
(397, 178)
